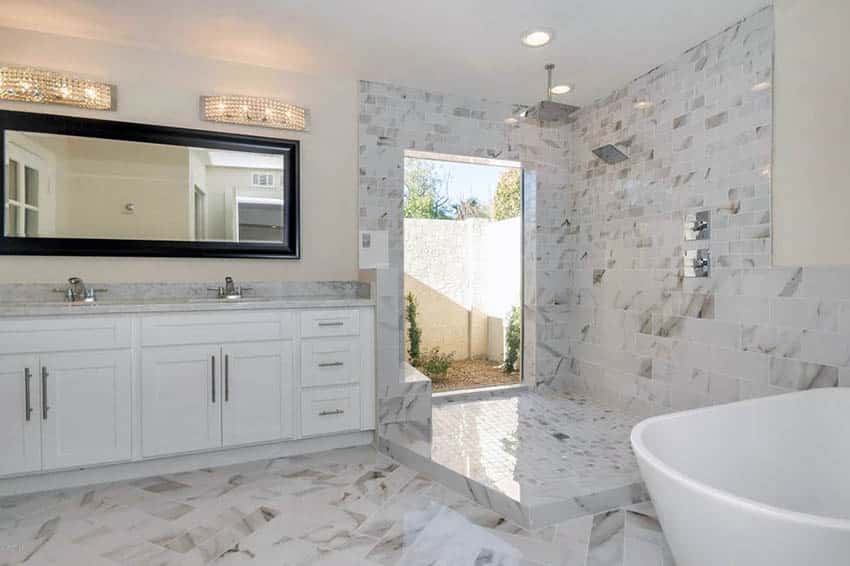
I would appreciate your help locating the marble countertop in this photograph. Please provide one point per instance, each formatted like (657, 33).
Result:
(191, 304)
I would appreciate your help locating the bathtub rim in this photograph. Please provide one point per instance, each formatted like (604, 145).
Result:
(751, 505)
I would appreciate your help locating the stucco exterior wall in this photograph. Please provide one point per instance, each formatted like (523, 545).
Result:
(465, 276)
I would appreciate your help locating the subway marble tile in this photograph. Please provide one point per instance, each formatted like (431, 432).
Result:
(797, 375)
(824, 348)
(747, 310)
(813, 314)
(772, 340)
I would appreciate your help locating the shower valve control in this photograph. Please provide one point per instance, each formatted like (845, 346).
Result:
(697, 263)
(698, 226)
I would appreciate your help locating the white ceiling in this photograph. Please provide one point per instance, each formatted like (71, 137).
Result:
(462, 46)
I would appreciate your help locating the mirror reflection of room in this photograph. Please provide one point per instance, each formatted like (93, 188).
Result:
(76, 187)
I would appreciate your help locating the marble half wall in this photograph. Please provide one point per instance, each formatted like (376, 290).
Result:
(698, 132)
(393, 119)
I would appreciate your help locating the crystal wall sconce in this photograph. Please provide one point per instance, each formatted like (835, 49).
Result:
(27, 84)
(254, 111)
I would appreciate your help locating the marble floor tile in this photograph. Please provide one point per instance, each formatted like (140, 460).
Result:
(340, 508)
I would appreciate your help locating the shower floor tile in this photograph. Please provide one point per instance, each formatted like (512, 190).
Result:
(555, 456)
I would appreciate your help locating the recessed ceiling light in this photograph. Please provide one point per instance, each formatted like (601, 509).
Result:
(561, 89)
(642, 104)
(537, 37)
(758, 87)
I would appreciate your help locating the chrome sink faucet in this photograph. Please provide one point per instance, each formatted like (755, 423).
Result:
(77, 292)
(230, 289)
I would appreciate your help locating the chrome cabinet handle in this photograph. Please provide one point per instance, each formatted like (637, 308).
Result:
(44, 407)
(328, 413)
(331, 323)
(226, 378)
(212, 380)
(331, 364)
(27, 400)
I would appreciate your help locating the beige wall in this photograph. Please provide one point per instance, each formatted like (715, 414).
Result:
(444, 323)
(811, 165)
(95, 179)
(161, 87)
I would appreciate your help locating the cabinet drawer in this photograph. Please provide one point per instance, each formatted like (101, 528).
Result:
(330, 361)
(87, 332)
(216, 328)
(330, 409)
(330, 323)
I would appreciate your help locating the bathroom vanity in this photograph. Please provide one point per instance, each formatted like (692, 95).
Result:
(134, 388)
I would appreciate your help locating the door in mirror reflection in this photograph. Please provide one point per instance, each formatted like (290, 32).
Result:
(60, 186)
(25, 172)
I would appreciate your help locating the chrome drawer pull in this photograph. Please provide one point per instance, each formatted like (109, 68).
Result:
(27, 401)
(212, 379)
(331, 323)
(44, 407)
(331, 365)
(226, 378)
(329, 413)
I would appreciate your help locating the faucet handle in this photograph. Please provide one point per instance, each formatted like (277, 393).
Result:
(219, 291)
(68, 292)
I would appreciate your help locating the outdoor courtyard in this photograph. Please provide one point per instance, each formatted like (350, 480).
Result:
(462, 276)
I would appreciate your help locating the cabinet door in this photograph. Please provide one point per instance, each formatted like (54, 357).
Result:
(20, 429)
(86, 412)
(257, 392)
(181, 399)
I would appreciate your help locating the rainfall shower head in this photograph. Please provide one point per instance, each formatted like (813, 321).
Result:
(549, 111)
(610, 154)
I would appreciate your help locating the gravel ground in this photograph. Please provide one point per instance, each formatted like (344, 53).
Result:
(474, 373)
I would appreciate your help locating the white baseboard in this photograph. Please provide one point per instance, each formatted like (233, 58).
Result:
(50, 481)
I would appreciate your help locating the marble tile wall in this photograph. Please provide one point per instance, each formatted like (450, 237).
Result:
(393, 119)
(631, 327)
(608, 310)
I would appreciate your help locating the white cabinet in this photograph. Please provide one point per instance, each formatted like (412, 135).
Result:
(330, 361)
(257, 392)
(181, 396)
(324, 323)
(201, 397)
(85, 407)
(326, 410)
(63, 410)
(88, 389)
(20, 415)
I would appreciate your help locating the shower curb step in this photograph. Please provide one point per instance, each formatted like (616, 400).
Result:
(527, 516)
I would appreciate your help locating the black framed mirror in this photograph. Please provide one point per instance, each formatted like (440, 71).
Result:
(86, 187)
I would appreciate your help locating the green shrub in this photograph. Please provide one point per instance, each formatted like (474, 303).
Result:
(414, 333)
(512, 342)
(435, 364)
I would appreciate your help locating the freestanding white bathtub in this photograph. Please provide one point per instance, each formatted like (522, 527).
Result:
(764, 482)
